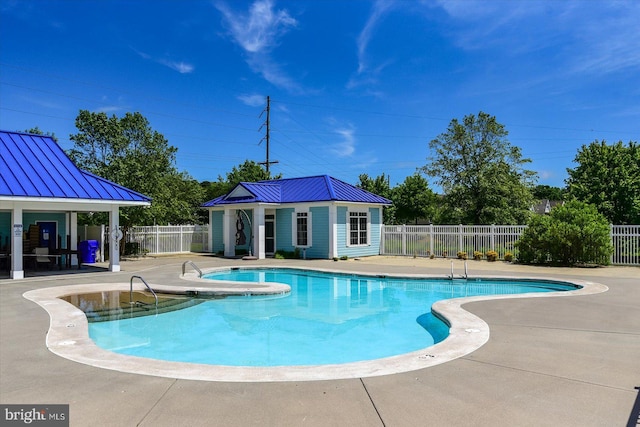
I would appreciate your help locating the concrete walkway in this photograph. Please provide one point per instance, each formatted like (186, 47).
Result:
(549, 362)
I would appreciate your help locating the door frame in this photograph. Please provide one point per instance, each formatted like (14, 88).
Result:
(270, 217)
(54, 237)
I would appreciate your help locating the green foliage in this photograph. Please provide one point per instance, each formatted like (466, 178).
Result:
(608, 176)
(541, 192)
(414, 200)
(249, 171)
(481, 173)
(379, 186)
(128, 152)
(37, 131)
(280, 254)
(575, 233)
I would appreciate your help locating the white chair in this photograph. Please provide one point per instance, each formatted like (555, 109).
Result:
(42, 257)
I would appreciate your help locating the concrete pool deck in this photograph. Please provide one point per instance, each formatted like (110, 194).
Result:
(549, 361)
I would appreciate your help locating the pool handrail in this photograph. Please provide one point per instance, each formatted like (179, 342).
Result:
(195, 267)
(466, 272)
(145, 283)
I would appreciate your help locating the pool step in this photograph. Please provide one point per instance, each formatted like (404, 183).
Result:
(140, 308)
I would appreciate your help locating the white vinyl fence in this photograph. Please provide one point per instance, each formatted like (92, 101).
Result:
(448, 240)
(400, 240)
(170, 239)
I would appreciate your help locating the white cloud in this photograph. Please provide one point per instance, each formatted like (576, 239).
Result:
(598, 39)
(181, 67)
(379, 10)
(347, 146)
(252, 100)
(258, 32)
(109, 109)
(545, 174)
(367, 75)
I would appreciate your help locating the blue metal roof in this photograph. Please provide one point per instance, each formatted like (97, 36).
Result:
(322, 188)
(36, 166)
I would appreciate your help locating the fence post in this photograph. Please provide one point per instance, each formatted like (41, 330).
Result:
(157, 239)
(431, 245)
(492, 237)
(404, 239)
(181, 238)
(460, 239)
(612, 257)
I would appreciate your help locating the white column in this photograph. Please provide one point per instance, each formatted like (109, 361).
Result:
(114, 241)
(333, 231)
(17, 228)
(210, 231)
(229, 230)
(258, 232)
(73, 233)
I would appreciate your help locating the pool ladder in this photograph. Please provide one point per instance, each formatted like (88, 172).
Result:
(146, 284)
(195, 267)
(465, 276)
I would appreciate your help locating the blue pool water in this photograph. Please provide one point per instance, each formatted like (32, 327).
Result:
(326, 319)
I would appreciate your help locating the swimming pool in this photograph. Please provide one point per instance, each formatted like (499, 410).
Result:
(327, 318)
(68, 334)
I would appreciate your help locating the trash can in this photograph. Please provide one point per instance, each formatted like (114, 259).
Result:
(87, 250)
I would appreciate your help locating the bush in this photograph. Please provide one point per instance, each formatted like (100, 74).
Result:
(572, 234)
(280, 254)
(492, 256)
(508, 257)
(132, 248)
(477, 255)
(462, 255)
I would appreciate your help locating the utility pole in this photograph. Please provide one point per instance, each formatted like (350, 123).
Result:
(267, 125)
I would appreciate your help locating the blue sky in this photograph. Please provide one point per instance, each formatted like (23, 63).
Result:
(355, 86)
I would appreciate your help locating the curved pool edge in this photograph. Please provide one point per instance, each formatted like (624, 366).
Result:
(68, 337)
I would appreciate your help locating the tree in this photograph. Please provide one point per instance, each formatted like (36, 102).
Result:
(380, 186)
(575, 233)
(414, 200)
(608, 176)
(478, 168)
(37, 131)
(249, 171)
(128, 152)
(541, 192)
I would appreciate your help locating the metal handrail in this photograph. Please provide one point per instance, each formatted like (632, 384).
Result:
(466, 272)
(145, 283)
(192, 265)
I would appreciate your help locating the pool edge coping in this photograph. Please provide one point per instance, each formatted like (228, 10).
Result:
(68, 336)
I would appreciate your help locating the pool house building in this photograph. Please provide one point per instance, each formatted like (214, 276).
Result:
(41, 193)
(318, 217)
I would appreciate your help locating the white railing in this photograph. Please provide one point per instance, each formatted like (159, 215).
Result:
(400, 240)
(169, 239)
(447, 240)
(626, 244)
